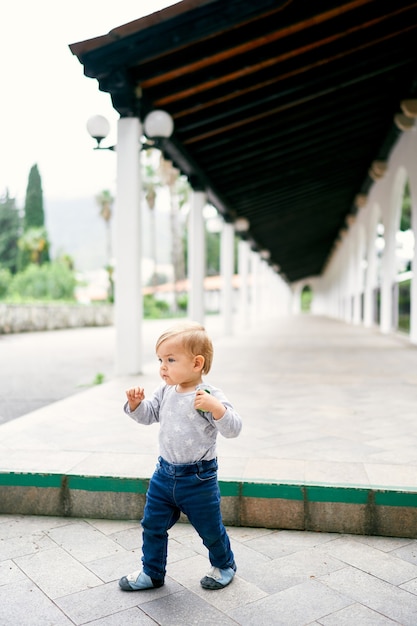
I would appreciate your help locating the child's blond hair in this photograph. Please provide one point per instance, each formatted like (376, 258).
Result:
(193, 338)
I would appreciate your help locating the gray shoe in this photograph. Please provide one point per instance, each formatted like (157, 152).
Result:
(218, 578)
(137, 581)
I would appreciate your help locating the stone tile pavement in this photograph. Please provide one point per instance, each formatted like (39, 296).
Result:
(323, 403)
(61, 572)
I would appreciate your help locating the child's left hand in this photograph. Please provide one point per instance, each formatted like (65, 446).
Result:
(204, 401)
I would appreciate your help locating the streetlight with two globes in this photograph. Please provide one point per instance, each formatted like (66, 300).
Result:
(157, 125)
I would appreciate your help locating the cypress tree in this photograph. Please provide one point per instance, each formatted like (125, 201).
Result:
(34, 241)
(34, 213)
(10, 231)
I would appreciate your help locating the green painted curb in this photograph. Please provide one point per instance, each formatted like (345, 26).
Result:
(307, 493)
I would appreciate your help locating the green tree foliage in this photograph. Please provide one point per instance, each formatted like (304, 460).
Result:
(212, 253)
(34, 244)
(213, 243)
(153, 308)
(34, 223)
(34, 214)
(105, 201)
(5, 280)
(406, 209)
(306, 298)
(10, 230)
(50, 281)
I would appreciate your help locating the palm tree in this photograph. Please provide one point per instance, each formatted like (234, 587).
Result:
(34, 243)
(105, 201)
(150, 184)
(170, 176)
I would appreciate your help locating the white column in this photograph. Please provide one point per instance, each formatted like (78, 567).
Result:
(296, 298)
(413, 294)
(356, 275)
(196, 258)
(243, 262)
(387, 278)
(128, 308)
(350, 279)
(255, 263)
(226, 264)
(265, 309)
(371, 271)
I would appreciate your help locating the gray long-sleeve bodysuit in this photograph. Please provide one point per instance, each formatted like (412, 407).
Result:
(185, 434)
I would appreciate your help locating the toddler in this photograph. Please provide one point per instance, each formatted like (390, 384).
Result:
(190, 414)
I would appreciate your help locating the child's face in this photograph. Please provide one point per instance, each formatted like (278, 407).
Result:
(177, 367)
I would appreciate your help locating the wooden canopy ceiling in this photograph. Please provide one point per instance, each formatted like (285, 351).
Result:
(280, 107)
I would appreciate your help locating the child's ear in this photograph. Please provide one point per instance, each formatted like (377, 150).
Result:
(199, 362)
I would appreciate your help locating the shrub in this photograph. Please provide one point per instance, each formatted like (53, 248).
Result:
(153, 308)
(182, 302)
(50, 281)
(5, 280)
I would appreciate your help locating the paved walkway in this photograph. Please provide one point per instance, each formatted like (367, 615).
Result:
(61, 572)
(322, 402)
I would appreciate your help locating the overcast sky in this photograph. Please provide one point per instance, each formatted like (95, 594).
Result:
(46, 99)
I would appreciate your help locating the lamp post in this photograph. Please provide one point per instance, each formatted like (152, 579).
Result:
(157, 125)
(98, 127)
(128, 307)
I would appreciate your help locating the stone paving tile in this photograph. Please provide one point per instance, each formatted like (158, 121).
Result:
(385, 475)
(24, 604)
(275, 544)
(19, 525)
(128, 465)
(247, 557)
(321, 472)
(389, 600)
(185, 608)
(115, 566)
(83, 542)
(107, 599)
(56, 573)
(410, 586)
(372, 561)
(10, 573)
(388, 544)
(284, 470)
(407, 552)
(293, 569)
(114, 527)
(188, 573)
(356, 615)
(130, 617)
(300, 604)
(178, 551)
(25, 544)
(130, 539)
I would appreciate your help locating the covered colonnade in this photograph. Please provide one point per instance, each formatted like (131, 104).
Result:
(296, 121)
(359, 283)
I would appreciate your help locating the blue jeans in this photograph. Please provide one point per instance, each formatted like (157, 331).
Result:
(192, 489)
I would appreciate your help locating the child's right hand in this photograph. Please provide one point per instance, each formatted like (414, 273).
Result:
(134, 396)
